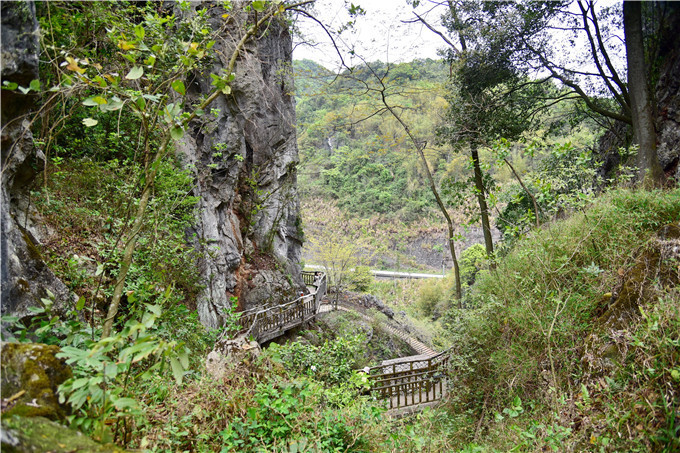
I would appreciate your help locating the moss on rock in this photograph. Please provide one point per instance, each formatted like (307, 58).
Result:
(30, 376)
(38, 434)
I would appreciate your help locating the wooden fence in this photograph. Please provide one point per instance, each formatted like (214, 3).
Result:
(271, 322)
(410, 382)
(403, 383)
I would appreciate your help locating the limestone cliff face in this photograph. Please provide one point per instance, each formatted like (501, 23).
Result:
(25, 277)
(668, 95)
(244, 152)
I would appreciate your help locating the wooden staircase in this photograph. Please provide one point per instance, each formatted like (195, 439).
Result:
(404, 382)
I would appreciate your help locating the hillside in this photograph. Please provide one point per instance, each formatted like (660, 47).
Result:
(357, 164)
(168, 171)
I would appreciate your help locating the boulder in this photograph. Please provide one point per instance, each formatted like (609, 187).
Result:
(30, 376)
(230, 352)
(40, 435)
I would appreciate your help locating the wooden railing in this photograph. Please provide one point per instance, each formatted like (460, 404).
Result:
(411, 382)
(267, 323)
(403, 383)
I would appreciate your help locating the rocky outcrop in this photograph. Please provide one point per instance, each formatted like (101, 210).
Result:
(229, 353)
(39, 435)
(25, 277)
(245, 155)
(30, 376)
(668, 95)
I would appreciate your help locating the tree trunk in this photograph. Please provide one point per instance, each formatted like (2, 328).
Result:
(650, 173)
(483, 208)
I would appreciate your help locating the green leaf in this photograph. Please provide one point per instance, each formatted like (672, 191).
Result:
(258, 5)
(100, 80)
(7, 85)
(79, 383)
(178, 86)
(34, 85)
(94, 101)
(89, 122)
(115, 104)
(80, 304)
(226, 89)
(176, 132)
(184, 358)
(135, 73)
(177, 370)
(155, 309)
(139, 31)
(24, 90)
(125, 403)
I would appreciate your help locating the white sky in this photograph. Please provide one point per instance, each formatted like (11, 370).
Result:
(378, 35)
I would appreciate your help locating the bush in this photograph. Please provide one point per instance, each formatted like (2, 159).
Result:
(360, 279)
(526, 335)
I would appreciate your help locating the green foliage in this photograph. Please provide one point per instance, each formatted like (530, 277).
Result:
(331, 363)
(436, 296)
(98, 391)
(268, 425)
(88, 202)
(472, 260)
(356, 157)
(360, 279)
(550, 294)
(43, 325)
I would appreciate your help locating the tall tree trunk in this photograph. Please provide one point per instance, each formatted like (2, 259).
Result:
(650, 172)
(483, 208)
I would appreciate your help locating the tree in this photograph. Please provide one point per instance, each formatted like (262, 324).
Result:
(642, 117)
(419, 146)
(340, 252)
(488, 99)
(519, 37)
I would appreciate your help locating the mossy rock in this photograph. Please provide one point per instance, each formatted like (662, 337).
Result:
(38, 434)
(30, 376)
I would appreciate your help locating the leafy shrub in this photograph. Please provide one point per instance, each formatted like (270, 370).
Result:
(285, 414)
(472, 260)
(330, 363)
(360, 279)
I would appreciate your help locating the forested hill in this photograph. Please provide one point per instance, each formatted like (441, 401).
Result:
(358, 163)
(352, 151)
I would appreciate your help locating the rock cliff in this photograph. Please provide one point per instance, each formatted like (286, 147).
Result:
(25, 277)
(245, 155)
(243, 152)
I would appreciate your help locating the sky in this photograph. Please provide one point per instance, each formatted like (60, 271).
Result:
(378, 35)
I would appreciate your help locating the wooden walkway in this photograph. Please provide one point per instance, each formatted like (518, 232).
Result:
(403, 382)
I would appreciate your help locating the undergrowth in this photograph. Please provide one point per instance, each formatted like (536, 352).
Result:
(572, 344)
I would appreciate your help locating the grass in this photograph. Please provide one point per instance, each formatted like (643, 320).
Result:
(556, 328)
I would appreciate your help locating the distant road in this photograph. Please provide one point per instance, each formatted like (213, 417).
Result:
(389, 274)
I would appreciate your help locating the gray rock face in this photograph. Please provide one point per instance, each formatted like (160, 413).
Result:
(369, 301)
(668, 96)
(25, 277)
(244, 152)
